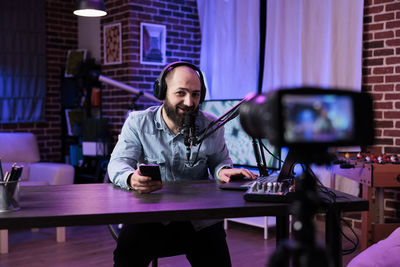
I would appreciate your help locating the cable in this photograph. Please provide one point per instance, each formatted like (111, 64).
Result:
(201, 142)
(271, 153)
(332, 200)
(355, 243)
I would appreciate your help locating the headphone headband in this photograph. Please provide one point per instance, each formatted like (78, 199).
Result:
(160, 85)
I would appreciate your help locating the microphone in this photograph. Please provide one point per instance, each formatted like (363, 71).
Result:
(189, 132)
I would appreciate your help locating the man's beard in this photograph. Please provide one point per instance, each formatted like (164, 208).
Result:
(173, 114)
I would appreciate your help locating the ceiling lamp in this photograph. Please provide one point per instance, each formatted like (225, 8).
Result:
(90, 8)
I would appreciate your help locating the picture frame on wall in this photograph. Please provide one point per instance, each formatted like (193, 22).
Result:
(152, 44)
(74, 58)
(112, 44)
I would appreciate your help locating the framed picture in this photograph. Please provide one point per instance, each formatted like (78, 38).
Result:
(112, 44)
(152, 43)
(74, 58)
(74, 119)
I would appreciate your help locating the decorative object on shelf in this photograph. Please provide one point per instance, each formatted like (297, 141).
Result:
(74, 58)
(74, 119)
(112, 44)
(152, 44)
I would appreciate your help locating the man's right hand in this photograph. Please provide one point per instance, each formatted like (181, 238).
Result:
(143, 184)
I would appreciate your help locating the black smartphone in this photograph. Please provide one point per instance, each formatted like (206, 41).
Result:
(151, 170)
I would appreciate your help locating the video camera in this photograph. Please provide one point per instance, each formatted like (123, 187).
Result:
(308, 121)
(310, 118)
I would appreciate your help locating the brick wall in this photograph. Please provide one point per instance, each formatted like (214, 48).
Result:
(182, 43)
(381, 78)
(381, 70)
(61, 35)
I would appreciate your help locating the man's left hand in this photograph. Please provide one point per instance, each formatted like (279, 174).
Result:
(225, 175)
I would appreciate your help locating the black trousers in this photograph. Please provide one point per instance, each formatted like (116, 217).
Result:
(139, 244)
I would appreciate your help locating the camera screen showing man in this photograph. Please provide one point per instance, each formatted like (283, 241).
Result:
(310, 117)
(317, 118)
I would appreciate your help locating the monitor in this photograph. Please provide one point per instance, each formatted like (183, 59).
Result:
(238, 142)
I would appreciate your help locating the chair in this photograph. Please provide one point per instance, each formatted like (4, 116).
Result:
(116, 228)
(22, 148)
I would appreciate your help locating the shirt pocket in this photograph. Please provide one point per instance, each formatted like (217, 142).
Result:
(196, 171)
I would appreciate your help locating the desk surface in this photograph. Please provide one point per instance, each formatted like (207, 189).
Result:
(93, 204)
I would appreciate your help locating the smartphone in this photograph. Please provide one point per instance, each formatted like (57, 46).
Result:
(151, 170)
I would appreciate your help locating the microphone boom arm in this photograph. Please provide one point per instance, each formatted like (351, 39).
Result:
(230, 114)
(221, 121)
(123, 86)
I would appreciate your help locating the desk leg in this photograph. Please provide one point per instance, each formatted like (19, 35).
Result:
(60, 234)
(282, 228)
(333, 236)
(366, 217)
(3, 241)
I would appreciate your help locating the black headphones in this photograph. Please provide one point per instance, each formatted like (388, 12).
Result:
(160, 86)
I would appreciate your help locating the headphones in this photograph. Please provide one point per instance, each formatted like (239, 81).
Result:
(160, 86)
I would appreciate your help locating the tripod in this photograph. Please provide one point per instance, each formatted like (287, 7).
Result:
(303, 251)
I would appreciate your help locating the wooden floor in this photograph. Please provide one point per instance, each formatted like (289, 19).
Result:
(93, 246)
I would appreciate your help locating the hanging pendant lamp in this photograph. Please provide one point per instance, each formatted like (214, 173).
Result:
(90, 8)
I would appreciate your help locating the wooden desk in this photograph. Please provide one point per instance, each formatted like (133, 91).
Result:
(94, 204)
(372, 177)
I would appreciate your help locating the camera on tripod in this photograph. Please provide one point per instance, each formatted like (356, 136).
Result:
(308, 121)
(310, 118)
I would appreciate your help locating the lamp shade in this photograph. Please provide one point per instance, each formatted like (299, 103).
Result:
(90, 8)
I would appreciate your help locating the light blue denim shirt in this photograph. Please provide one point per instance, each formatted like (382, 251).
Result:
(145, 138)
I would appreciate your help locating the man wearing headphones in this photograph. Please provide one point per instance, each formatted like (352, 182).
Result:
(155, 136)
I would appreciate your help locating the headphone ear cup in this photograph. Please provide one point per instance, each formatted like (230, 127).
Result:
(203, 93)
(156, 89)
(160, 86)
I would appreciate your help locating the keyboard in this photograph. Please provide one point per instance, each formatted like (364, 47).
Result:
(268, 189)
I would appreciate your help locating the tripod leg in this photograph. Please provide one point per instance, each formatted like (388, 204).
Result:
(333, 237)
(282, 228)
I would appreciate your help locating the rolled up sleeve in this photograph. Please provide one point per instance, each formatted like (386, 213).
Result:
(220, 158)
(126, 154)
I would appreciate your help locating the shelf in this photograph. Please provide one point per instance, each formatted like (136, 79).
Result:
(262, 222)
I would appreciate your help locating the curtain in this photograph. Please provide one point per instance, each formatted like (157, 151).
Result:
(313, 42)
(22, 61)
(229, 47)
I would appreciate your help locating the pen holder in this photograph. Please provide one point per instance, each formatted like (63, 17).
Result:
(9, 192)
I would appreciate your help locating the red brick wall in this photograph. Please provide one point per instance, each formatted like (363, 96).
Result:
(381, 70)
(381, 78)
(183, 43)
(61, 35)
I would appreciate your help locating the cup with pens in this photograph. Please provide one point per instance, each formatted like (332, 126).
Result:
(9, 188)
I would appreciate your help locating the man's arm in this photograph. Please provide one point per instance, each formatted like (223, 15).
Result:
(219, 159)
(220, 163)
(126, 154)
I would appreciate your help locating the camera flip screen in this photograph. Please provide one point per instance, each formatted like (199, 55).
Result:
(317, 118)
(311, 117)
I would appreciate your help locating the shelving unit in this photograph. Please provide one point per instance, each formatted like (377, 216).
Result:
(90, 139)
(262, 222)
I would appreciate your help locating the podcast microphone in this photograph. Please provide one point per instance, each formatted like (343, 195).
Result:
(189, 132)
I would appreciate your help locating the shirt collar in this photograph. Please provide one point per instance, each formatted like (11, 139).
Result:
(158, 120)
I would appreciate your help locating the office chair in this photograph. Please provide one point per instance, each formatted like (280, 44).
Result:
(115, 230)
